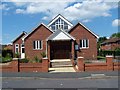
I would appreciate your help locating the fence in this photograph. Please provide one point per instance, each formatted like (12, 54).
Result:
(15, 66)
(108, 65)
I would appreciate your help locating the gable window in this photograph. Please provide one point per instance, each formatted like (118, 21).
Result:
(59, 24)
(84, 43)
(16, 48)
(37, 44)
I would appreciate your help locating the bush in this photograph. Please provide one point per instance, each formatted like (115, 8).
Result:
(25, 60)
(43, 54)
(5, 59)
(6, 52)
(109, 52)
(100, 57)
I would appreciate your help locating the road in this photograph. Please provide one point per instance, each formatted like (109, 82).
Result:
(68, 80)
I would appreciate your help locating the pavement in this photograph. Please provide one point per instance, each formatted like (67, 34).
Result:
(61, 75)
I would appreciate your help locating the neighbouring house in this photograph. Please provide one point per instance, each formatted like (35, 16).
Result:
(111, 44)
(60, 39)
(8, 47)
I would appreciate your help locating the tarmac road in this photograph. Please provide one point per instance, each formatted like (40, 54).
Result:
(87, 80)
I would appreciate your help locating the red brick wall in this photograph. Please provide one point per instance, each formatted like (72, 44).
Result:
(18, 41)
(80, 32)
(41, 33)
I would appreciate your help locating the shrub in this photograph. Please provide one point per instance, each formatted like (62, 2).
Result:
(100, 57)
(36, 60)
(5, 59)
(43, 54)
(5, 52)
(25, 60)
(17, 55)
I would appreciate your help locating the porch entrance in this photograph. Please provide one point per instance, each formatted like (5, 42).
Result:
(60, 50)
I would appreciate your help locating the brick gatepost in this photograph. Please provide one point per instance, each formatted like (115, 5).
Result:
(80, 64)
(109, 61)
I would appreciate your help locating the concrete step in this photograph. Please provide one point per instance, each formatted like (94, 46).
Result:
(61, 63)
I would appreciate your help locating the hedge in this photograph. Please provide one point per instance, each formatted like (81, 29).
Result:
(108, 52)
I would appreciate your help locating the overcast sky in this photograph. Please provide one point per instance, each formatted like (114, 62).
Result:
(100, 16)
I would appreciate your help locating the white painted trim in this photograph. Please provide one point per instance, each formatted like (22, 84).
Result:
(35, 29)
(37, 44)
(19, 36)
(83, 40)
(60, 16)
(21, 51)
(15, 48)
(85, 28)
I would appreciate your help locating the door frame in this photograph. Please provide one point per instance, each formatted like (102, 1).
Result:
(22, 54)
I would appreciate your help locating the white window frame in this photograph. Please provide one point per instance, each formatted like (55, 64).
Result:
(37, 45)
(17, 47)
(84, 47)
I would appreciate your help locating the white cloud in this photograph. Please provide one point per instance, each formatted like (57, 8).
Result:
(86, 20)
(45, 18)
(19, 11)
(4, 7)
(116, 22)
(86, 10)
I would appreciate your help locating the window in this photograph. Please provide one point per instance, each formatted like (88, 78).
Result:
(16, 48)
(84, 43)
(59, 24)
(37, 44)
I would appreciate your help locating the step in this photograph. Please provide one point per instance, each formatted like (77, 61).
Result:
(62, 66)
(60, 60)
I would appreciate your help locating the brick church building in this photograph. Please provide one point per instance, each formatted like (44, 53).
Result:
(60, 39)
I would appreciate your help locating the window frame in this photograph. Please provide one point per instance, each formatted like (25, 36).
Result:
(17, 47)
(86, 45)
(38, 44)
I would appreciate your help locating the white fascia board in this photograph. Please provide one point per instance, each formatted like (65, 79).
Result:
(59, 16)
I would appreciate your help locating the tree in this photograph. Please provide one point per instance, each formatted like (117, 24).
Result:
(115, 35)
(100, 40)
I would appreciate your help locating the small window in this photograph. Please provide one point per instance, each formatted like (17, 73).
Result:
(37, 44)
(84, 43)
(16, 48)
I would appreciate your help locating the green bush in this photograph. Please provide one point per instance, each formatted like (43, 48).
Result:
(5, 59)
(25, 60)
(36, 60)
(43, 54)
(100, 57)
(5, 52)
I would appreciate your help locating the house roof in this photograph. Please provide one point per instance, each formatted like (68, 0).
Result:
(36, 29)
(60, 35)
(21, 35)
(111, 40)
(60, 16)
(79, 23)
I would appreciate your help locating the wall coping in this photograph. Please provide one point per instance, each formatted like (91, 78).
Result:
(45, 58)
(80, 57)
(15, 59)
(109, 56)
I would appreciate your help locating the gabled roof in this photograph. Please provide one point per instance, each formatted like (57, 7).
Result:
(21, 35)
(57, 36)
(85, 28)
(60, 16)
(111, 40)
(36, 29)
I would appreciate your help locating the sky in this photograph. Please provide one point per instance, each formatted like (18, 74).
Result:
(100, 16)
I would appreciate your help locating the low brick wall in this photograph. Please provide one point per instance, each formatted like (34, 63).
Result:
(96, 67)
(116, 66)
(14, 66)
(108, 65)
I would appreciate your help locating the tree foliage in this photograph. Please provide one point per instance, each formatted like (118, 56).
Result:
(115, 35)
